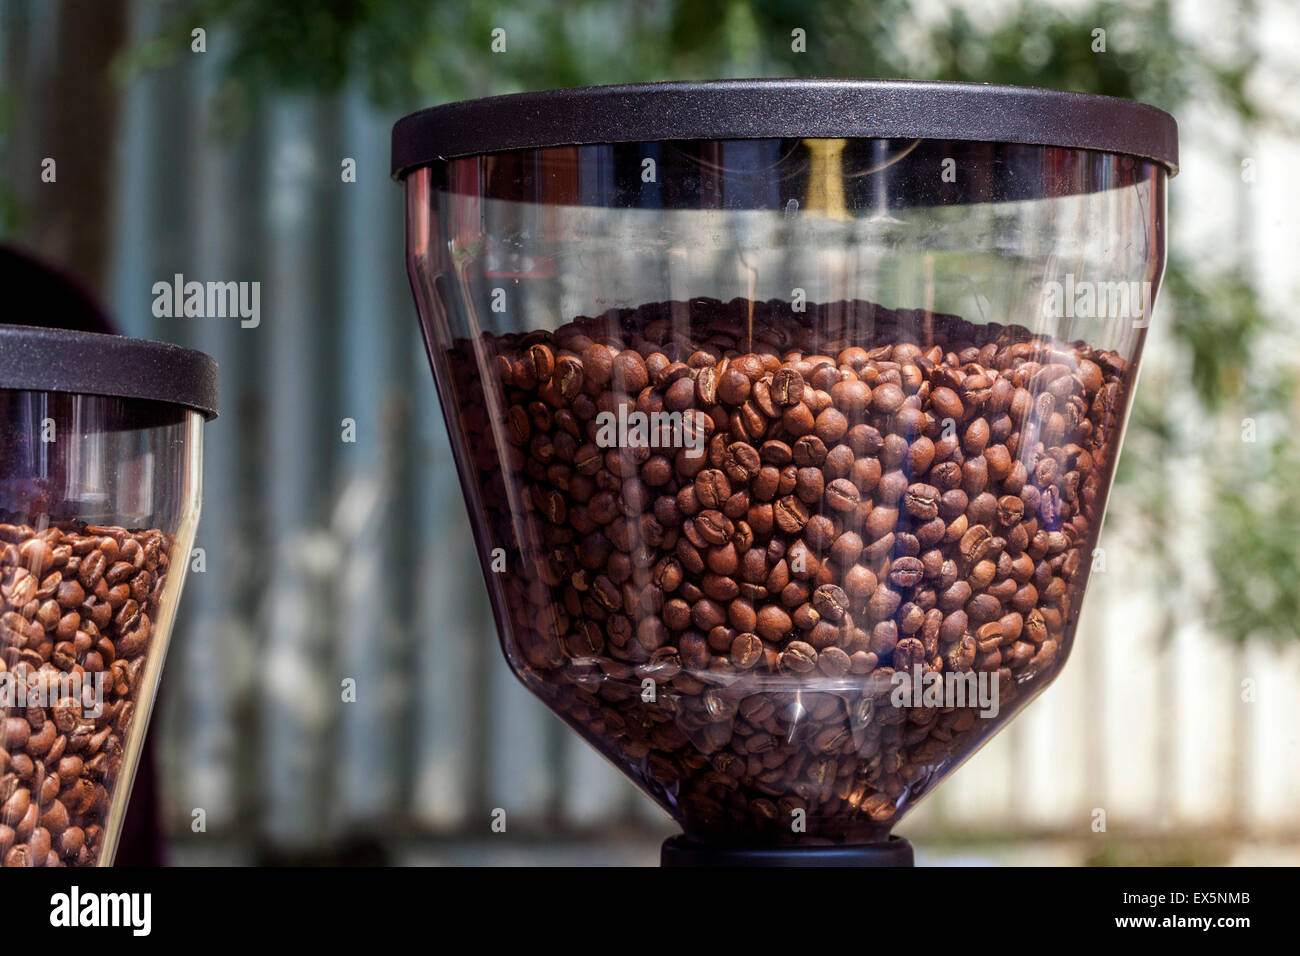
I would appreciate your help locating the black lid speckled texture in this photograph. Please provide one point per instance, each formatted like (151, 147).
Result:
(779, 109)
(87, 363)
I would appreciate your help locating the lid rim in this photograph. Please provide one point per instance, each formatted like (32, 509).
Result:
(91, 363)
(783, 108)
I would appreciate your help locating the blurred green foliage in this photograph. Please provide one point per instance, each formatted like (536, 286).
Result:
(407, 53)
(1253, 545)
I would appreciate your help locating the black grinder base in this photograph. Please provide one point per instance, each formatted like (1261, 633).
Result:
(682, 851)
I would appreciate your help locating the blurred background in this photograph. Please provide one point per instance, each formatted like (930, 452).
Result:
(222, 155)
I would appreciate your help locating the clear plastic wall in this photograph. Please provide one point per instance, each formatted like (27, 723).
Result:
(786, 458)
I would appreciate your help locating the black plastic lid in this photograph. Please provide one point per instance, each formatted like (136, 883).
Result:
(778, 109)
(87, 363)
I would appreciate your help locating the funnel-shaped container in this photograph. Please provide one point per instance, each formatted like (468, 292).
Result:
(100, 452)
(786, 414)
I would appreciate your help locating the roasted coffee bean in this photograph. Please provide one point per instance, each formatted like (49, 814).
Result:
(831, 602)
(922, 501)
(541, 362)
(741, 462)
(734, 386)
(798, 658)
(746, 650)
(706, 385)
(962, 657)
(908, 653)
(787, 387)
(887, 398)
(809, 452)
(851, 396)
(713, 526)
(842, 496)
(98, 591)
(833, 662)
(798, 420)
(568, 376)
(906, 572)
(810, 485)
(850, 509)
(791, 514)
(946, 404)
(92, 567)
(712, 488)
(774, 623)
(831, 425)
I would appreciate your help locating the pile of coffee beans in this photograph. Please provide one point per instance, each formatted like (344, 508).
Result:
(77, 610)
(847, 493)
